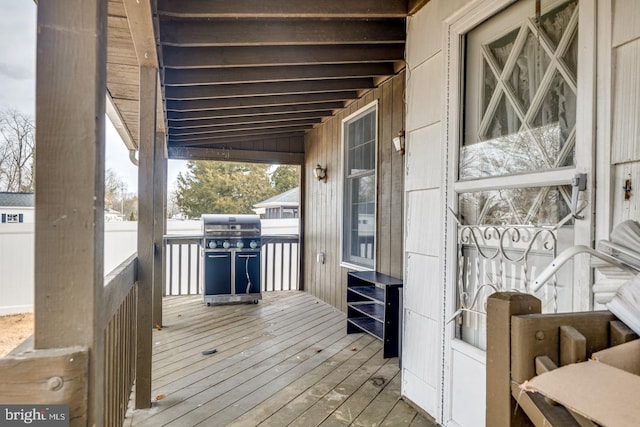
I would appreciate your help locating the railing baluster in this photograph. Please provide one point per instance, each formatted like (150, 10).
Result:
(198, 273)
(265, 253)
(273, 270)
(180, 269)
(291, 263)
(282, 266)
(170, 269)
(189, 270)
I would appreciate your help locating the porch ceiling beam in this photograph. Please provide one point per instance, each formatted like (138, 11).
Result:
(262, 89)
(235, 136)
(291, 139)
(284, 9)
(245, 56)
(264, 118)
(217, 130)
(215, 76)
(253, 156)
(324, 107)
(415, 5)
(140, 21)
(232, 32)
(259, 101)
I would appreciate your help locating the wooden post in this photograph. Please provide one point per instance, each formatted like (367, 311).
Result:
(69, 217)
(159, 224)
(144, 326)
(301, 216)
(500, 307)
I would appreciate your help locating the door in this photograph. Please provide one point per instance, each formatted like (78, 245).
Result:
(521, 184)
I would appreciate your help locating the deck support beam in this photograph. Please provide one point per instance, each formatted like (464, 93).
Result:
(302, 212)
(147, 141)
(159, 224)
(69, 218)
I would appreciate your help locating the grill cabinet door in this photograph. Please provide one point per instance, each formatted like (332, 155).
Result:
(217, 273)
(247, 272)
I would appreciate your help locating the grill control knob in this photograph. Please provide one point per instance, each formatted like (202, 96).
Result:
(240, 245)
(212, 244)
(253, 244)
(226, 244)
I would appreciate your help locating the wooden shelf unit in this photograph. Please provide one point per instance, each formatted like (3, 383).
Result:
(373, 307)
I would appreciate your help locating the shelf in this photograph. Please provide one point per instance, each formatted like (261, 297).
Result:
(368, 292)
(373, 277)
(372, 309)
(373, 301)
(368, 325)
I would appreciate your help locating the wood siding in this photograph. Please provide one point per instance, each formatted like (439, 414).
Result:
(323, 217)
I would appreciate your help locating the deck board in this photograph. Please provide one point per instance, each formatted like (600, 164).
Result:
(284, 361)
(283, 397)
(335, 398)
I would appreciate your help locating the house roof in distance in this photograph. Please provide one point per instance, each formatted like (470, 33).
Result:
(288, 198)
(17, 199)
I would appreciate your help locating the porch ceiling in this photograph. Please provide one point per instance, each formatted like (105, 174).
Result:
(255, 76)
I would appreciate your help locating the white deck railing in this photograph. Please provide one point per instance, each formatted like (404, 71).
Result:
(17, 256)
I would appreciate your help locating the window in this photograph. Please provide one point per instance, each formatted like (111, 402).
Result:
(281, 212)
(359, 134)
(516, 157)
(12, 218)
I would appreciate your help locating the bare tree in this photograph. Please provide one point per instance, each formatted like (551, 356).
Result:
(17, 143)
(172, 204)
(117, 195)
(114, 189)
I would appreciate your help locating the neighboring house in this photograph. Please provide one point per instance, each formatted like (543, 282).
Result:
(16, 208)
(111, 215)
(284, 205)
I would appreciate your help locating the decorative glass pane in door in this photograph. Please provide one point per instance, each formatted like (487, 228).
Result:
(520, 102)
(519, 119)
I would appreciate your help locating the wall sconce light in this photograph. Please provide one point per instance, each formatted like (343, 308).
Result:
(398, 142)
(320, 173)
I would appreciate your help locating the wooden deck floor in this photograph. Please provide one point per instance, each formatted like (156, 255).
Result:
(286, 361)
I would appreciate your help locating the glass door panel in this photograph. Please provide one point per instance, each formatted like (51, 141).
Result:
(520, 109)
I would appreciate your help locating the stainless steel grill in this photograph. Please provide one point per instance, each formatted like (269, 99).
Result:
(231, 246)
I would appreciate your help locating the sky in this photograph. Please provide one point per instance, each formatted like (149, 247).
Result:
(17, 85)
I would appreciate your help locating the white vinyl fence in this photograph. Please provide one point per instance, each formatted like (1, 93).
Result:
(17, 257)
(17, 254)
(16, 268)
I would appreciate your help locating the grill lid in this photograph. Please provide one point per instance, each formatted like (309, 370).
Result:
(230, 225)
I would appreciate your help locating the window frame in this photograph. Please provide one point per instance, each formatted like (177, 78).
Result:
(345, 229)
